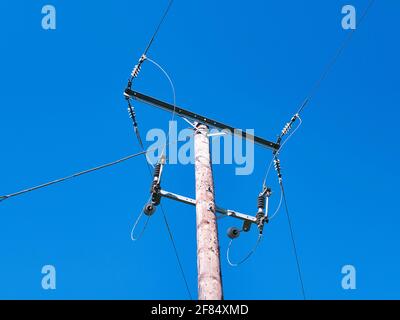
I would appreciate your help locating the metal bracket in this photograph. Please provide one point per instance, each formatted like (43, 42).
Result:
(230, 213)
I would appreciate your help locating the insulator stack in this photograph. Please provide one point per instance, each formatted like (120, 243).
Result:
(132, 113)
(289, 125)
(287, 128)
(157, 170)
(277, 164)
(136, 70)
(261, 202)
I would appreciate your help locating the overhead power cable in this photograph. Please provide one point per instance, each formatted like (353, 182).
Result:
(314, 90)
(137, 68)
(159, 26)
(279, 174)
(75, 175)
(293, 241)
(335, 58)
(285, 131)
(176, 251)
(78, 174)
(170, 233)
(163, 153)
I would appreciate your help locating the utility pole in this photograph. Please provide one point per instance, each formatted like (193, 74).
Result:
(208, 253)
(208, 258)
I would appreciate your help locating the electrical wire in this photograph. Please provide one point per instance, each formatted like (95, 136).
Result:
(293, 241)
(309, 97)
(170, 233)
(139, 218)
(323, 76)
(19, 193)
(176, 251)
(170, 82)
(247, 257)
(277, 209)
(170, 236)
(280, 150)
(136, 70)
(75, 175)
(335, 58)
(190, 123)
(159, 26)
(173, 93)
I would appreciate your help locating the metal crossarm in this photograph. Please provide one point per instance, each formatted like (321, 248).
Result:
(199, 118)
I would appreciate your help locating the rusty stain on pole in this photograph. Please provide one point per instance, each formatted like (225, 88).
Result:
(208, 255)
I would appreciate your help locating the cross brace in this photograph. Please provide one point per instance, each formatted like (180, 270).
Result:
(199, 118)
(192, 202)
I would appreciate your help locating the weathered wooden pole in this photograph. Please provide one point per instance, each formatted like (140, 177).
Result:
(208, 257)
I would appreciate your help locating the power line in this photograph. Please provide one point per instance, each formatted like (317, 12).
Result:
(78, 174)
(172, 240)
(315, 87)
(137, 68)
(289, 125)
(293, 240)
(150, 170)
(176, 251)
(288, 128)
(159, 26)
(332, 62)
(75, 175)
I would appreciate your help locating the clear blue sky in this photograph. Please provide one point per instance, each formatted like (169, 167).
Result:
(251, 65)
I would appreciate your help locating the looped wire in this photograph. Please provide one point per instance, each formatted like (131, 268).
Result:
(247, 257)
(139, 218)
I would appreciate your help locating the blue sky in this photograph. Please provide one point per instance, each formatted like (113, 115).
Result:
(62, 111)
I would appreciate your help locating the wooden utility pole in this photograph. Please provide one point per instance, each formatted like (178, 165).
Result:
(208, 258)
